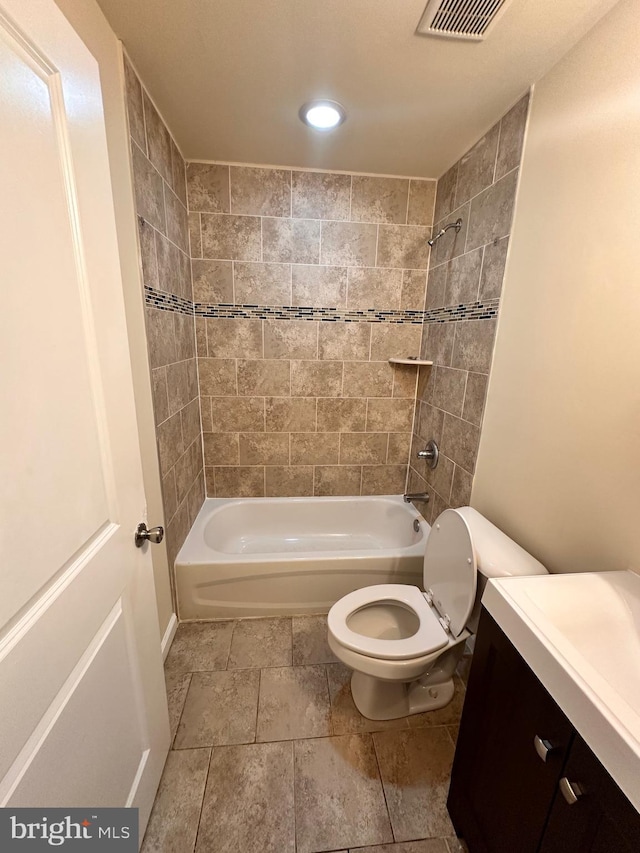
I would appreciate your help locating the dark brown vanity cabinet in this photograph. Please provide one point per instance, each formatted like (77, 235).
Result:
(519, 762)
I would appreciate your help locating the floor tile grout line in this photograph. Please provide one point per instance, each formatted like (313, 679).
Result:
(204, 793)
(384, 793)
(186, 693)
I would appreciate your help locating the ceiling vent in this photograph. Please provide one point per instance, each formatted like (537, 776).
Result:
(460, 19)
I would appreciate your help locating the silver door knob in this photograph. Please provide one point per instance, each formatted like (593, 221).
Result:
(142, 535)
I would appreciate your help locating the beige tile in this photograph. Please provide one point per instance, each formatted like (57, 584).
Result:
(475, 172)
(259, 448)
(147, 185)
(493, 265)
(456, 845)
(231, 338)
(439, 504)
(384, 479)
(196, 496)
(374, 288)
(187, 468)
(430, 423)
(426, 845)
(415, 766)
(368, 379)
(398, 448)
(184, 327)
(463, 281)
(453, 242)
(259, 643)
(168, 260)
(177, 684)
(265, 377)
(182, 385)
(337, 480)
(221, 448)
(379, 199)
(403, 246)
(238, 482)
(199, 646)
(314, 448)
(169, 495)
(237, 414)
(315, 286)
(394, 340)
(290, 339)
(158, 140)
(447, 716)
(446, 193)
(341, 415)
(492, 212)
(201, 336)
(217, 376)
(291, 241)
(473, 347)
(208, 187)
(290, 414)
(436, 285)
(461, 487)
(448, 389)
(404, 380)
(261, 192)
(512, 129)
(135, 110)
(262, 284)
(235, 238)
(393, 415)
(170, 442)
(310, 643)
(320, 195)
(249, 800)
(362, 448)
(288, 481)
(439, 342)
(350, 341)
(474, 397)
(220, 709)
(177, 219)
(339, 799)
(174, 820)
(178, 173)
(160, 396)
(212, 281)
(422, 195)
(316, 378)
(294, 703)
(460, 442)
(349, 244)
(412, 295)
(195, 235)
(438, 478)
(147, 244)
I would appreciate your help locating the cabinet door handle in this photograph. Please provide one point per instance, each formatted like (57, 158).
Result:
(542, 747)
(571, 791)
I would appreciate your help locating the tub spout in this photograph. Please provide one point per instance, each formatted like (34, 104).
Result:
(420, 497)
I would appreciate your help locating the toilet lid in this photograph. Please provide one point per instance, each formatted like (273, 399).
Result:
(450, 569)
(429, 637)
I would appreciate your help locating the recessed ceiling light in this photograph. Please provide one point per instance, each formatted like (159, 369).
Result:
(322, 115)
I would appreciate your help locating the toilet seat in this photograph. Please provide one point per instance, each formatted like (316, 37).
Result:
(430, 636)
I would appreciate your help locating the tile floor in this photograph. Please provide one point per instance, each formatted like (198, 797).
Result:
(270, 755)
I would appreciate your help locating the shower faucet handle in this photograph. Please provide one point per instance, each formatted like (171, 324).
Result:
(430, 454)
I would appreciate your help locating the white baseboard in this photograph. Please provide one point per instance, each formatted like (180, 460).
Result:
(169, 634)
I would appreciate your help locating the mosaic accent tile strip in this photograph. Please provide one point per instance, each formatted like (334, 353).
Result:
(449, 314)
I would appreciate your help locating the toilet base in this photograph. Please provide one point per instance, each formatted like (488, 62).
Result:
(388, 700)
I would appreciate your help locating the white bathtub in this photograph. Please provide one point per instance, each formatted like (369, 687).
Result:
(276, 556)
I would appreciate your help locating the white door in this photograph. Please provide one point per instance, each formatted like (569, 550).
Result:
(83, 718)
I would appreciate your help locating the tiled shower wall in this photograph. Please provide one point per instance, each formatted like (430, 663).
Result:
(466, 272)
(161, 197)
(305, 283)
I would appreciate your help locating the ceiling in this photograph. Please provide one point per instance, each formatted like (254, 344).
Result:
(230, 75)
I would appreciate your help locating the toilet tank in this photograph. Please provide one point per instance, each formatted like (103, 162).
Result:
(497, 556)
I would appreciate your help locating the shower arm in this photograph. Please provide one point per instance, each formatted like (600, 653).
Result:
(457, 225)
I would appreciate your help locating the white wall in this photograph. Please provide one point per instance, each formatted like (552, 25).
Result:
(87, 19)
(559, 459)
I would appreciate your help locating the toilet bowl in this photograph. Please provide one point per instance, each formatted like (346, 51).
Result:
(404, 644)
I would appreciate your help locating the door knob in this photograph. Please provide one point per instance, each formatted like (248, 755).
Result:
(142, 535)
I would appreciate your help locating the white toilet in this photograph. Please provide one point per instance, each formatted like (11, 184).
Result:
(403, 644)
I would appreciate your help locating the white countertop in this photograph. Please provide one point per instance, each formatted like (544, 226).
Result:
(580, 634)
